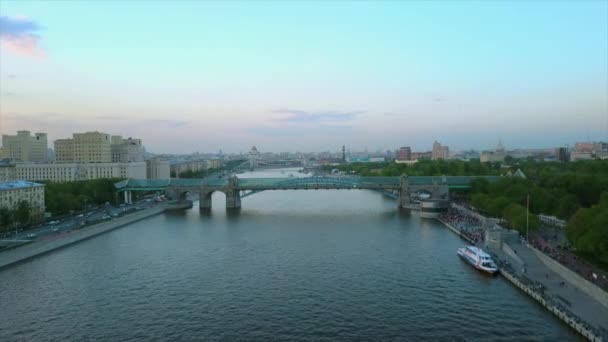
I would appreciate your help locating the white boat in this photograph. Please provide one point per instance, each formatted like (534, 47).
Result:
(478, 258)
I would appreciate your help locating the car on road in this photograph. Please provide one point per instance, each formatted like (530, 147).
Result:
(55, 229)
(31, 235)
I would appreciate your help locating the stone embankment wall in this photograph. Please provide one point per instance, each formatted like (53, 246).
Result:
(22, 253)
(487, 222)
(573, 278)
(556, 311)
(457, 231)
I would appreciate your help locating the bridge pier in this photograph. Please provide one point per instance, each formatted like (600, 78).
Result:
(205, 199)
(233, 199)
(404, 192)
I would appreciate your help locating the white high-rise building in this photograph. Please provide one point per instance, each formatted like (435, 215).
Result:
(25, 147)
(126, 150)
(157, 168)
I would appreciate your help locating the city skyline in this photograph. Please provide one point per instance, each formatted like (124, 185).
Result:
(307, 76)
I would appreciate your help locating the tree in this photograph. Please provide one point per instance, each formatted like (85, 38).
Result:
(6, 218)
(604, 199)
(22, 214)
(567, 205)
(516, 215)
(480, 185)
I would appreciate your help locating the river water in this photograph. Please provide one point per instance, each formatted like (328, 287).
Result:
(291, 265)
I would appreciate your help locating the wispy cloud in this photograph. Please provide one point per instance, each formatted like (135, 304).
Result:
(20, 35)
(297, 116)
(109, 117)
(167, 122)
(143, 122)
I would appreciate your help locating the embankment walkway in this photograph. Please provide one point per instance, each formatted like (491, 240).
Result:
(561, 293)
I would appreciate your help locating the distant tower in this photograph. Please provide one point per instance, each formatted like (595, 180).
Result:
(343, 153)
(254, 155)
(500, 147)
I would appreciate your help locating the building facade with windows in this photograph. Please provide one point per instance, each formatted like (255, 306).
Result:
(89, 147)
(405, 153)
(440, 151)
(157, 168)
(11, 193)
(68, 172)
(25, 147)
(126, 150)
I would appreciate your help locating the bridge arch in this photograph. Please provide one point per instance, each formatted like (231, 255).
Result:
(233, 198)
(423, 194)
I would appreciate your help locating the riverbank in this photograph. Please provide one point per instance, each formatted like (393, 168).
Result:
(584, 313)
(35, 249)
(457, 231)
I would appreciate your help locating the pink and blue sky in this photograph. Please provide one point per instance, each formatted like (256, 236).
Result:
(309, 76)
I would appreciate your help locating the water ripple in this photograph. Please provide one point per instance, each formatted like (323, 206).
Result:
(312, 266)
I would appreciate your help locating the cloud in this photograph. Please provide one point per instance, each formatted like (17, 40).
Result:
(300, 116)
(109, 117)
(19, 35)
(167, 122)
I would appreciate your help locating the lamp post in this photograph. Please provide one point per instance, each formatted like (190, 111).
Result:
(527, 217)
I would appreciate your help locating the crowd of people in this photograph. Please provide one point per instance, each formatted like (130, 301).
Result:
(469, 225)
(565, 257)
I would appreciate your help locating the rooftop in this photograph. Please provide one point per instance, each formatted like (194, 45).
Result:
(19, 184)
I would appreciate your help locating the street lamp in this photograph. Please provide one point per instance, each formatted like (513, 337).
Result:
(527, 217)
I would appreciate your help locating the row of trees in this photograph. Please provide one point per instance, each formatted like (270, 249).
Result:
(576, 192)
(19, 216)
(68, 197)
(421, 168)
(506, 198)
(588, 230)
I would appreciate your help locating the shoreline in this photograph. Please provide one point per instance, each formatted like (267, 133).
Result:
(35, 249)
(563, 316)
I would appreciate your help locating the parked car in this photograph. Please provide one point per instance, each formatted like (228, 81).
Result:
(31, 235)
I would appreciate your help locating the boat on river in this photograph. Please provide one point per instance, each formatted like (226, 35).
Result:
(478, 259)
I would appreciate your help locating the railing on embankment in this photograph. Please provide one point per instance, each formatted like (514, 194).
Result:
(564, 314)
(557, 309)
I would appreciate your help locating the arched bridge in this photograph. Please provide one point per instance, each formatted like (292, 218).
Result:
(236, 188)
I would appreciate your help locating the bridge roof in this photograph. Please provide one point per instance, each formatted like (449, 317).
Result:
(454, 182)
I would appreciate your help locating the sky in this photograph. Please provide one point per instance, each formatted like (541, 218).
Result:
(307, 76)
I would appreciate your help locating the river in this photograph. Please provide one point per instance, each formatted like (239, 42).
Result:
(319, 265)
